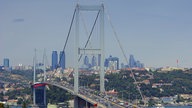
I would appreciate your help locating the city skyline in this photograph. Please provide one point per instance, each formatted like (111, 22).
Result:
(156, 32)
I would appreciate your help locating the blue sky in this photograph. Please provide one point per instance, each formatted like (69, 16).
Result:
(156, 32)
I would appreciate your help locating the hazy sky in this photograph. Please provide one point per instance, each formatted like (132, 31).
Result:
(156, 32)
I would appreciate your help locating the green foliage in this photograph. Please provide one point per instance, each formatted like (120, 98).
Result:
(19, 101)
(15, 93)
(25, 73)
(56, 95)
(20, 76)
(124, 84)
(2, 105)
(24, 105)
(181, 83)
(87, 81)
(151, 103)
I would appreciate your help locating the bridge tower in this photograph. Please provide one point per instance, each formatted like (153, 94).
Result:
(38, 89)
(39, 95)
(80, 51)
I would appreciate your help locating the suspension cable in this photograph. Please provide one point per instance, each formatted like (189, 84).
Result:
(68, 34)
(66, 39)
(90, 34)
(86, 30)
(119, 43)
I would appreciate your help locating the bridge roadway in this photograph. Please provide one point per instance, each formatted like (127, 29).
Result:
(69, 88)
(89, 97)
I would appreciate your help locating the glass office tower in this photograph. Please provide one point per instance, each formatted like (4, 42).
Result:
(54, 60)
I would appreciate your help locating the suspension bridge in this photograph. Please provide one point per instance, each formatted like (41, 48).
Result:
(84, 97)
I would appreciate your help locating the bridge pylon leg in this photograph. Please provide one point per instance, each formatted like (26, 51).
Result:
(76, 103)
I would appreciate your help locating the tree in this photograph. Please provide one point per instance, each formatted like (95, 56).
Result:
(2, 105)
(24, 105)
(56, 95)
(20, 100)
(151, 103)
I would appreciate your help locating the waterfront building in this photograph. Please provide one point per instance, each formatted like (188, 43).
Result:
(54, 60)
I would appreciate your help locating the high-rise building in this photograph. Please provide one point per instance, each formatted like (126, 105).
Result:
(132, 62)
(62, 59)
(94, 62)
(135, 64)
(54, 60)
(139, 65)
(99, 59)
(86, 61)
(112, 63)
(106, 63)
(122, 66)
(6, 62)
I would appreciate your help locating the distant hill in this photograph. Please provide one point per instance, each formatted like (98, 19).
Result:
(16, 76)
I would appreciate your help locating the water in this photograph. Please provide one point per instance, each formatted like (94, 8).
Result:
(178, 107)
(149, 107)
(174, 107)
(18, 107)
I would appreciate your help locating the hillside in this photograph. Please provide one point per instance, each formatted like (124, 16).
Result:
(16, 76)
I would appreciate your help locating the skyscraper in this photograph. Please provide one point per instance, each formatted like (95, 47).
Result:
(86, 61)
(62, 59)
(99, 59)
(6, 62)
(112, 63)
(132, 61)
(93, 62)
(135, 63)
(106, 63)
(54, 60)
(122, 66)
